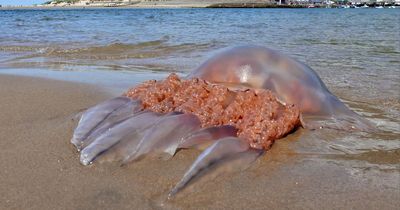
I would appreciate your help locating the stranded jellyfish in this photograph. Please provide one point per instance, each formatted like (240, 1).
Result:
(233, 107)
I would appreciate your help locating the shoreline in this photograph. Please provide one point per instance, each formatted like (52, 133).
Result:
(105, 79)
(187, 6)
(100, 7)
(94, 6)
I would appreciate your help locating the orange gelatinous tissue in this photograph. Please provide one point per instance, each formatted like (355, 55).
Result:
(256, 113)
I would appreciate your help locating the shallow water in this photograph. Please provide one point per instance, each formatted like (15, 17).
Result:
(356, 53)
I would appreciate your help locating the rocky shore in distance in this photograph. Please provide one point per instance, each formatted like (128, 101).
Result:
(203, 4)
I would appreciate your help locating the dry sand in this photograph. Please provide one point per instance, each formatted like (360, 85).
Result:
(40, 168)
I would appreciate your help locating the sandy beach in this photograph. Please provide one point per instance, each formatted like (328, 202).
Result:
(40, 168)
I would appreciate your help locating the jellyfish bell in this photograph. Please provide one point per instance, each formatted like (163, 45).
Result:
(292, 82)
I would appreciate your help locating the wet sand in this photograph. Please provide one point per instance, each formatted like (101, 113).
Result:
(40, 168)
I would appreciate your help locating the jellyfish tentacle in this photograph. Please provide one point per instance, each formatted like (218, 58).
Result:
(94, 116)
(125, 147)
(165, 136)
(226, 154)
(201, 139)
(124, 112)
(124, 130)
(118, 151)
(122, 149)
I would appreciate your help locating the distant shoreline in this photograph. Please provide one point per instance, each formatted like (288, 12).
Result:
(129, 7)
(161, 4)
(170, 6)
(216, 6)
(83, 7)
(155, 6)
(158, 6)
(255, 5)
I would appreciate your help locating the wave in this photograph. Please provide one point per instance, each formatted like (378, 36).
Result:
(114, 51)
(155, 55)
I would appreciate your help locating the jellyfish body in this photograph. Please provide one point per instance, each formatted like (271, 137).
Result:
(292, 81)
(123, 130)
